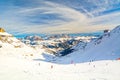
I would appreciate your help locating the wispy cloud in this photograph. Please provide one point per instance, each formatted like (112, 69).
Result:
(68, 15)
(54, 8)
(52, 17)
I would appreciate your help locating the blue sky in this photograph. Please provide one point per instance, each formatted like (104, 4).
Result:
(58, 16)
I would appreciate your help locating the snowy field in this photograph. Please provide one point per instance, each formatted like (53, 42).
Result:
(14, 68)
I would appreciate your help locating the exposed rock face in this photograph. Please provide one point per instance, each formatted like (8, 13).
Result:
(2, 30)
(33, 38)
(59, 36)
(56, 44)
(9, 45)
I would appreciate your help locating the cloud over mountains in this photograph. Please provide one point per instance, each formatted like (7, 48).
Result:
(56, 16)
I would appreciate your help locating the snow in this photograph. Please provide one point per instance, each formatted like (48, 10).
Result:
(12, 68)
(105, 48)
(108, 48)
(94, 62)
(5, 33)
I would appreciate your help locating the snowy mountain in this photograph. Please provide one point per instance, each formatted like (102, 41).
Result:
(105, 47)
(9, 45)
(70, 67)
(55, 44)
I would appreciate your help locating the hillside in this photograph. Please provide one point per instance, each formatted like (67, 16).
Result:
(9, 45)
(104, 48)
(99, 61)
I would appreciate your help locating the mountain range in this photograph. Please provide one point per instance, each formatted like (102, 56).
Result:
(97, 59)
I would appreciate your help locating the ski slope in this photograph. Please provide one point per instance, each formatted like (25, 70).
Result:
(12, 68)
(107, 47)
(97, 61)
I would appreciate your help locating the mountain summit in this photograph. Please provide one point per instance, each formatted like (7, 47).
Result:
(105, 47)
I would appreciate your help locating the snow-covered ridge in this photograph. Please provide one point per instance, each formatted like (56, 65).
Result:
(5, 34)
(55, 44)
(7, 38)
(104, 48)
(9, 45)
(116, 30)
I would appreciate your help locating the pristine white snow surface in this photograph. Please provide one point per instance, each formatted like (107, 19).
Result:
(12, 68)
(98, 61)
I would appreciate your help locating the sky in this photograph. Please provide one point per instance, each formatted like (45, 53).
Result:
(58, 16)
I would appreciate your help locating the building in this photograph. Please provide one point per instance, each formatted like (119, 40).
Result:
(106, 31)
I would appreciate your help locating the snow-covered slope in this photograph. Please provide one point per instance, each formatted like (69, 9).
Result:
(12, 68)
(9, 45)
(38, 68)
(107, 47)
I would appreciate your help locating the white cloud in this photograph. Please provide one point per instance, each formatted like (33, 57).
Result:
(54, 8)
(74, 17)
(73, 20)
